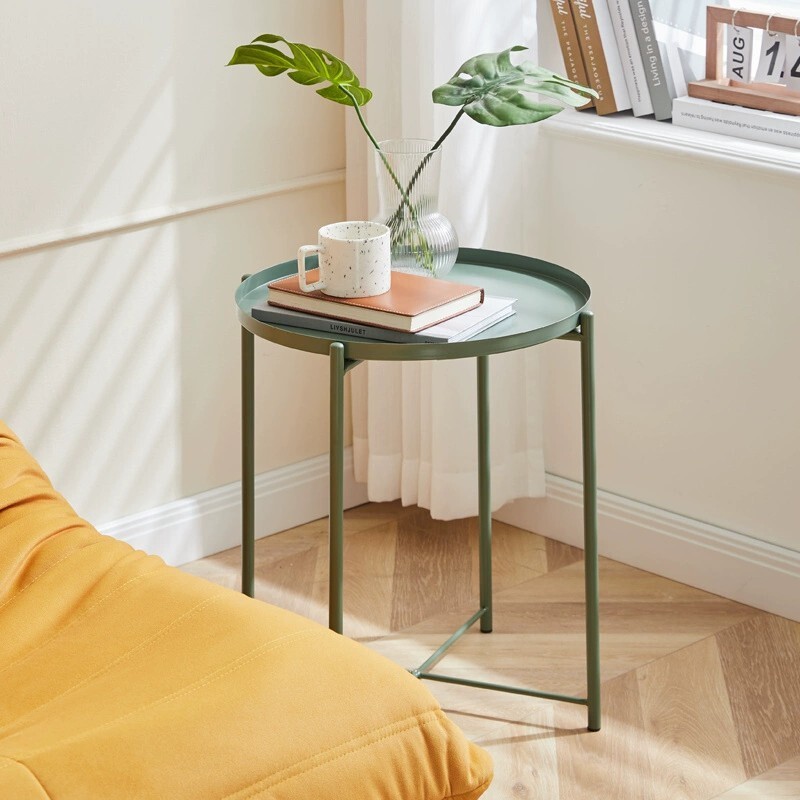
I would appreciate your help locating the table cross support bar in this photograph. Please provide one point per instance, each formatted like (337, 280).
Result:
(422, 671)
(499, 687)
(439, 653)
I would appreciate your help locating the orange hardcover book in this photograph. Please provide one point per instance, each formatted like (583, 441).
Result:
(570, 47)
(601, 55)
(413, 303)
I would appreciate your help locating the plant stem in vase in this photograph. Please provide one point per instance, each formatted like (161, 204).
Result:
(423, 239)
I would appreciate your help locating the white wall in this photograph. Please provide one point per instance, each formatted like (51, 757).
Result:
(139, 179)
(693, 265)
(693, 269)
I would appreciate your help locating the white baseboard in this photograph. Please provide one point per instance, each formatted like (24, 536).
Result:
(724, 562)
(195, 527)
(705, 556)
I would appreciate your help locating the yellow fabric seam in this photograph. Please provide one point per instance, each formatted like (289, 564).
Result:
(416, 721)
(106, 667)
(248, 657)
(78, 618)
(51, 567)
(10, 763)
(57, 512)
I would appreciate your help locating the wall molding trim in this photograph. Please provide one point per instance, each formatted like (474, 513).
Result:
(677, 141)
(206, 523)
(136, 220)
(708, 557)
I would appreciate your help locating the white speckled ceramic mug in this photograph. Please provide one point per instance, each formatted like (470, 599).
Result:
(354, 260)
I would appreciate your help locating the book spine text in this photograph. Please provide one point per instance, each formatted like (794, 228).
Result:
(570, 48)
(594, 55)
(651, 58)
(631, 58)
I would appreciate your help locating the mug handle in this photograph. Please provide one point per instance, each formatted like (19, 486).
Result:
(307, 250)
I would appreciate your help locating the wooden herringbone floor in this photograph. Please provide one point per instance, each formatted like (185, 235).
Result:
(701, 695)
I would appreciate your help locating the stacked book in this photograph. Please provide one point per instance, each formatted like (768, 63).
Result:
(416, 310)
(637, 54)
(745, 123)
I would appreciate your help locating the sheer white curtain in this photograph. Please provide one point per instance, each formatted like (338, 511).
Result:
(414, 424)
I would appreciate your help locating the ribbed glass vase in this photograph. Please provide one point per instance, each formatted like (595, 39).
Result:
(424, 241)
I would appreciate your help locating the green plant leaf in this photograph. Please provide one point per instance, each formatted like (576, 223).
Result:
(493, 91)
(305, 65)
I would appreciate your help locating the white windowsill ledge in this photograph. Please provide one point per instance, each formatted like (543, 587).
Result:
(625, 129)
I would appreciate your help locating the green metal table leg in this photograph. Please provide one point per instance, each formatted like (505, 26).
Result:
(592, 700)
(484, 495)
(248, 465)
(590, 522)
(336, 517)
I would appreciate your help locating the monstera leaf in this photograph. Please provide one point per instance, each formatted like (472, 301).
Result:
(306, 65)
(493, 91)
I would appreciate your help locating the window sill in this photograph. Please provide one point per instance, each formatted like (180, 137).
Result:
(625, 129)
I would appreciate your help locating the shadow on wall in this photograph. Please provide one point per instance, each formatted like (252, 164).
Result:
(119, 344)
(89, 385)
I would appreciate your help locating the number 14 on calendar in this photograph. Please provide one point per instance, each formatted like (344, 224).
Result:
(779, 60)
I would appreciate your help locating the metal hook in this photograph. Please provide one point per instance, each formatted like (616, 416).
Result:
(733, 18)
(769, 32)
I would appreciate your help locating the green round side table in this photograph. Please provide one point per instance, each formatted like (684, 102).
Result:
(551, 304)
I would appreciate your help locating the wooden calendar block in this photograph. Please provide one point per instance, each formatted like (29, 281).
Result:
(773, 97)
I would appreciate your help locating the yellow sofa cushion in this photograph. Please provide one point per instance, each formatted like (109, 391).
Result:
(121, 677)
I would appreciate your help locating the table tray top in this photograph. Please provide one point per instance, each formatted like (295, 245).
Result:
(550, 300)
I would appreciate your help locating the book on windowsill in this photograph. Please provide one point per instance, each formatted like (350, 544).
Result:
(600, 55)
(568, 41)
(653, 54)
(413, 303)
(631, 57)
(457, 329)
(746, 123)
